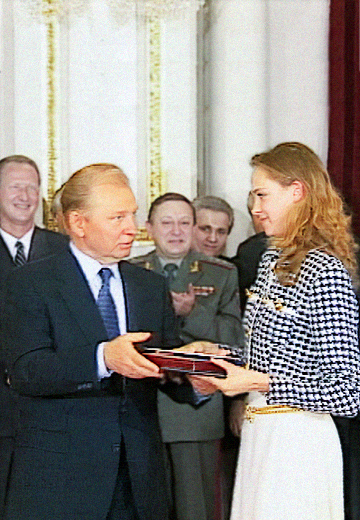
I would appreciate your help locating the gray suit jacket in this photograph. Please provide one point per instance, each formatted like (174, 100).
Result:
(215, 317)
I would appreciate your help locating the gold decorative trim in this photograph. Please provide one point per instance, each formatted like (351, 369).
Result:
(51, 114)
(142, 235)
(49, 11)
(157, 181)
(252, 411)
(123, 10)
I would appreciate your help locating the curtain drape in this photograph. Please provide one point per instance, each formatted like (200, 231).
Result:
(344, 100)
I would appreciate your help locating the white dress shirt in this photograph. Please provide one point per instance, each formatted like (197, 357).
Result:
(91, 268)
(10, 242)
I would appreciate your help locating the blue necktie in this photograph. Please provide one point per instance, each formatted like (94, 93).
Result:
(106, 304)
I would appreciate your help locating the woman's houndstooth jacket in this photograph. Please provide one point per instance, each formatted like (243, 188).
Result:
(306, 335)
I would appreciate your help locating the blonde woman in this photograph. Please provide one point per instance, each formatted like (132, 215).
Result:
(302, 345)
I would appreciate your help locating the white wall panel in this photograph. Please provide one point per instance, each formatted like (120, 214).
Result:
(102, 91)
(268, 75)
(266, 67)
(298, 68)
(238, 103)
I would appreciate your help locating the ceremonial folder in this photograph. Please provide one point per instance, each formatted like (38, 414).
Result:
(188, 363)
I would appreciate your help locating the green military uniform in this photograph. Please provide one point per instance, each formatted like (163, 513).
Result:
(215, 317)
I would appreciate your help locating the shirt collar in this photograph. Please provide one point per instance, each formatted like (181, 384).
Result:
(89, 265)
(10, 241)
(165, 261)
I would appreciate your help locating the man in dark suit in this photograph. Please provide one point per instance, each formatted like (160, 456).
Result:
(248, 255)
(20, 241)
(247, 259)
(88, 443)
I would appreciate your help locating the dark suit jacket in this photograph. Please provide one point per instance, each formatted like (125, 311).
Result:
(44, 243)
(247, 260)
(71, 425)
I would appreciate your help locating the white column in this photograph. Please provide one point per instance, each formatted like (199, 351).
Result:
(6, 78)
(299, 73)
(101, 95)
(178, 101)
(238, 103)
(175, 45)
(268, 70)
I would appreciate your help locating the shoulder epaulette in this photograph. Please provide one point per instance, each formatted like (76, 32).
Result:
(211, 260)
(137, 260)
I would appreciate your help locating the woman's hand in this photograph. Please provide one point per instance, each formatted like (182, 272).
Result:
(201, 347)
(238, 380)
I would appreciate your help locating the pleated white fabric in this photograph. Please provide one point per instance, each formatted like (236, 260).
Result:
(289, 468)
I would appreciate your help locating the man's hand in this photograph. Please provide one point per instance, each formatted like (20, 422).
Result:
(121, 356)
(183, 302)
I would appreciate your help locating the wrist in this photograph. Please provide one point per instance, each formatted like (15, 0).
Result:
(107, 356)
(260, 382)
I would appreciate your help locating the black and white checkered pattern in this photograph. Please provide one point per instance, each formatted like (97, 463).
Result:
(306, 336)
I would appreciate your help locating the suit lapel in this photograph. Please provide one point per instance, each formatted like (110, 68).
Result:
(6, 266)
(132, 295)
(136, 298)
(40, 246)
(37, 245)
(6, 260)
(78, 297)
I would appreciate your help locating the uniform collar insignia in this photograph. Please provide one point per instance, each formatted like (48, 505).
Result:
(195, 267)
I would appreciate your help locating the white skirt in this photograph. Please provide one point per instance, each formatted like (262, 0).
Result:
(289, 468)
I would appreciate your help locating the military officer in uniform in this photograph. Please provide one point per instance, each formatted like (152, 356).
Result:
(205, 297)
(214, 222)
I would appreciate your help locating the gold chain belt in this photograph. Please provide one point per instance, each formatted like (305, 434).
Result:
(252, 411)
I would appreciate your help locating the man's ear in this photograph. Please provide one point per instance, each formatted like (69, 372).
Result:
(76, 221)
(148, 226)
(298, 191)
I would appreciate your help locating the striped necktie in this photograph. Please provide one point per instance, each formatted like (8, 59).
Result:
(106, 304)
(20, 258)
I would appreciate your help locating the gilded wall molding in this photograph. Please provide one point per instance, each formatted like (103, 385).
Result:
(52, 148)
(154, 13)
(156, 178)
(157, 183)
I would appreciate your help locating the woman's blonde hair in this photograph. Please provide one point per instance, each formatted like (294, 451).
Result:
(318, 221)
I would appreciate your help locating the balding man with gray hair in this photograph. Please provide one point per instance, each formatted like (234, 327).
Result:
(88, 443)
